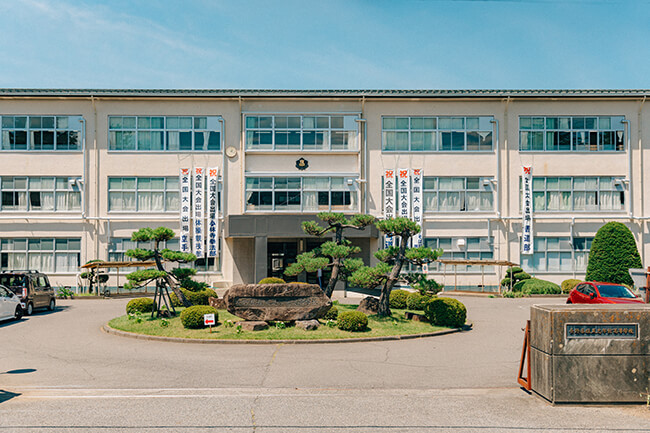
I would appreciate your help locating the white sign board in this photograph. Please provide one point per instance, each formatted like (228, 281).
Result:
(186, 205)
(208, 319)
(527, 210)
(404, 193)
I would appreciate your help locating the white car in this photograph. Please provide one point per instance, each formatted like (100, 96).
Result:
(10, 307)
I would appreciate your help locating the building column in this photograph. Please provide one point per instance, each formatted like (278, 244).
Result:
(261, 258)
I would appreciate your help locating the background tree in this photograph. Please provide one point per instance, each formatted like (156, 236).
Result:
(392, 259)
(94, 277)
(613, 252)
(335, 254)
(163, 278)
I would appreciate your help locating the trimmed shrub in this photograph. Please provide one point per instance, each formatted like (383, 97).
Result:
(445, 312)
(568, 285)
(196, 298)
(522, 276)
(513, 270)
(353, 321)
(192, 317)
(416, 301)
(139, 305)
(535, 286)
(272, 280)
(613, 252)
(513, 276)
(397, 299)
(506, 282)
(332, 313)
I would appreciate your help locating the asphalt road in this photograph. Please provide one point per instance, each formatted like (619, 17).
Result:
(59, 373)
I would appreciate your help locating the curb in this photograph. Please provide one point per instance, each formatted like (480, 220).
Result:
(107, 329)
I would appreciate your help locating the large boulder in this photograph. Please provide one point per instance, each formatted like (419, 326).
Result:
(277, 302)
(369, 305)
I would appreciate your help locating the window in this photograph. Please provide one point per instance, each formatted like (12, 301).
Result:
(307, 194)
(41, 132)
(571, 133)
(564, 194)
(301, 132)
(53, 194)
(457, 194)
(160, 133)
(432, 134)
(557, 254)
(55, 255)
(143, 194)
(119, 246)
(469, 248)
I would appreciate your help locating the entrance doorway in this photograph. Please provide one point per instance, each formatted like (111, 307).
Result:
(280, 254)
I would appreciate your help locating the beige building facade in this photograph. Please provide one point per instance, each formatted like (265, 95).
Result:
(82, 169)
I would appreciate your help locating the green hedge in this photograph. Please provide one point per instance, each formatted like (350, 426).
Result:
(535, 286)
(445, 312)
(196, 298)
(397, 299)
(272, 280)
(568, 285)
(139, 305)
(613, 252)
(416, 301)
(332, 313)
(353, 321)
(192, 317)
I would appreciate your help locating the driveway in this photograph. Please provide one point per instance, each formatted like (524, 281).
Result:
(59, 372)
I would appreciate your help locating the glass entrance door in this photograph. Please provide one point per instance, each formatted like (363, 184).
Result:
(280, 254)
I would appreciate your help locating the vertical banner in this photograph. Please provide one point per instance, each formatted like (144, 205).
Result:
(416, 241)
(213, 212)
(527, 210)
(404, 193)
(198, 243)
(389, 201)
(185, 193)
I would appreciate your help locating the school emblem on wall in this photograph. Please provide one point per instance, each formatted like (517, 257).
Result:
(302, 164)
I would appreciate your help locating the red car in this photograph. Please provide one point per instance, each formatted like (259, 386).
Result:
(596, 292)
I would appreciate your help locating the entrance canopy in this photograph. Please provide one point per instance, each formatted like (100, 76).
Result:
(479, 262)
(101, 265)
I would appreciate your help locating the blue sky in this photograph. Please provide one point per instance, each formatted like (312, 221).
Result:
(325, 44)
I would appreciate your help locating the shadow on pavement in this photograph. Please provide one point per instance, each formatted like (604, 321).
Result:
(6, 395)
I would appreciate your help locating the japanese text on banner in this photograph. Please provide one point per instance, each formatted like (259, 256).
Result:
(527, 210)
(185, 212)
(198, 243)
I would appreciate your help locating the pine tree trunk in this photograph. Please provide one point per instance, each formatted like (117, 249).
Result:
(334, 277)
(384, 304)
(170, 282)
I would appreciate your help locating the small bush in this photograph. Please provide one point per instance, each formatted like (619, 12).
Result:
(272, 280)
(196, 298)
(506, 282)
(522, 276)
(445, 312)
(568, 285)
(534, 286)
(332, 313)
(514, 270)
(139, 305)
(416, 301)
(397, 299)
(353, 321)
(192, 317)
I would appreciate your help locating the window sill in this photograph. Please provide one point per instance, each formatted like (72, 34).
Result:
(301, 151)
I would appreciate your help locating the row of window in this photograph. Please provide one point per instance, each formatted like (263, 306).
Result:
(54, 194)
(316, 132)
(563, 194)
(63, 255)
(307, 194)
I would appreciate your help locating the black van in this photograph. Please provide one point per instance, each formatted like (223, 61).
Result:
(32, 287)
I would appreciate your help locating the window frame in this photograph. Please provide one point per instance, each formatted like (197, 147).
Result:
(559, 250)
(462, 194)
(29, 131)
(55, 252)
(573, 192)
(28, 193)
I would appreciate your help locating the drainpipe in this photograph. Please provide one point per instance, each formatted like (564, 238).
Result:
(629, 169)
(495, 122)
(82, 187)
(641, 175)
(362, 170)
(97, 194)
(573, 222)
(221, 206)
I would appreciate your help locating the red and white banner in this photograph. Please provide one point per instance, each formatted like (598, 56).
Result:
(389, 201)
(404, 193)
(198, 243)
(213, 212)
(527, 210)
(416, 182)
(186, 205)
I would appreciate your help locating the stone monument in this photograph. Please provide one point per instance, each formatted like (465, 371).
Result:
(590, 353)
(277, 302)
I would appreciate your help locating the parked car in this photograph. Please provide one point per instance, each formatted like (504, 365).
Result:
(10, 307)
(32, 288)
(596, 292)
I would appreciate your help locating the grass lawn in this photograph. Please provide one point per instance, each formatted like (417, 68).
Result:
(377, 327)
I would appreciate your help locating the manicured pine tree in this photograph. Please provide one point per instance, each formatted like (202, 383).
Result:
(335, 254)
(613, 252)
(163, 278)
(392, 259)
